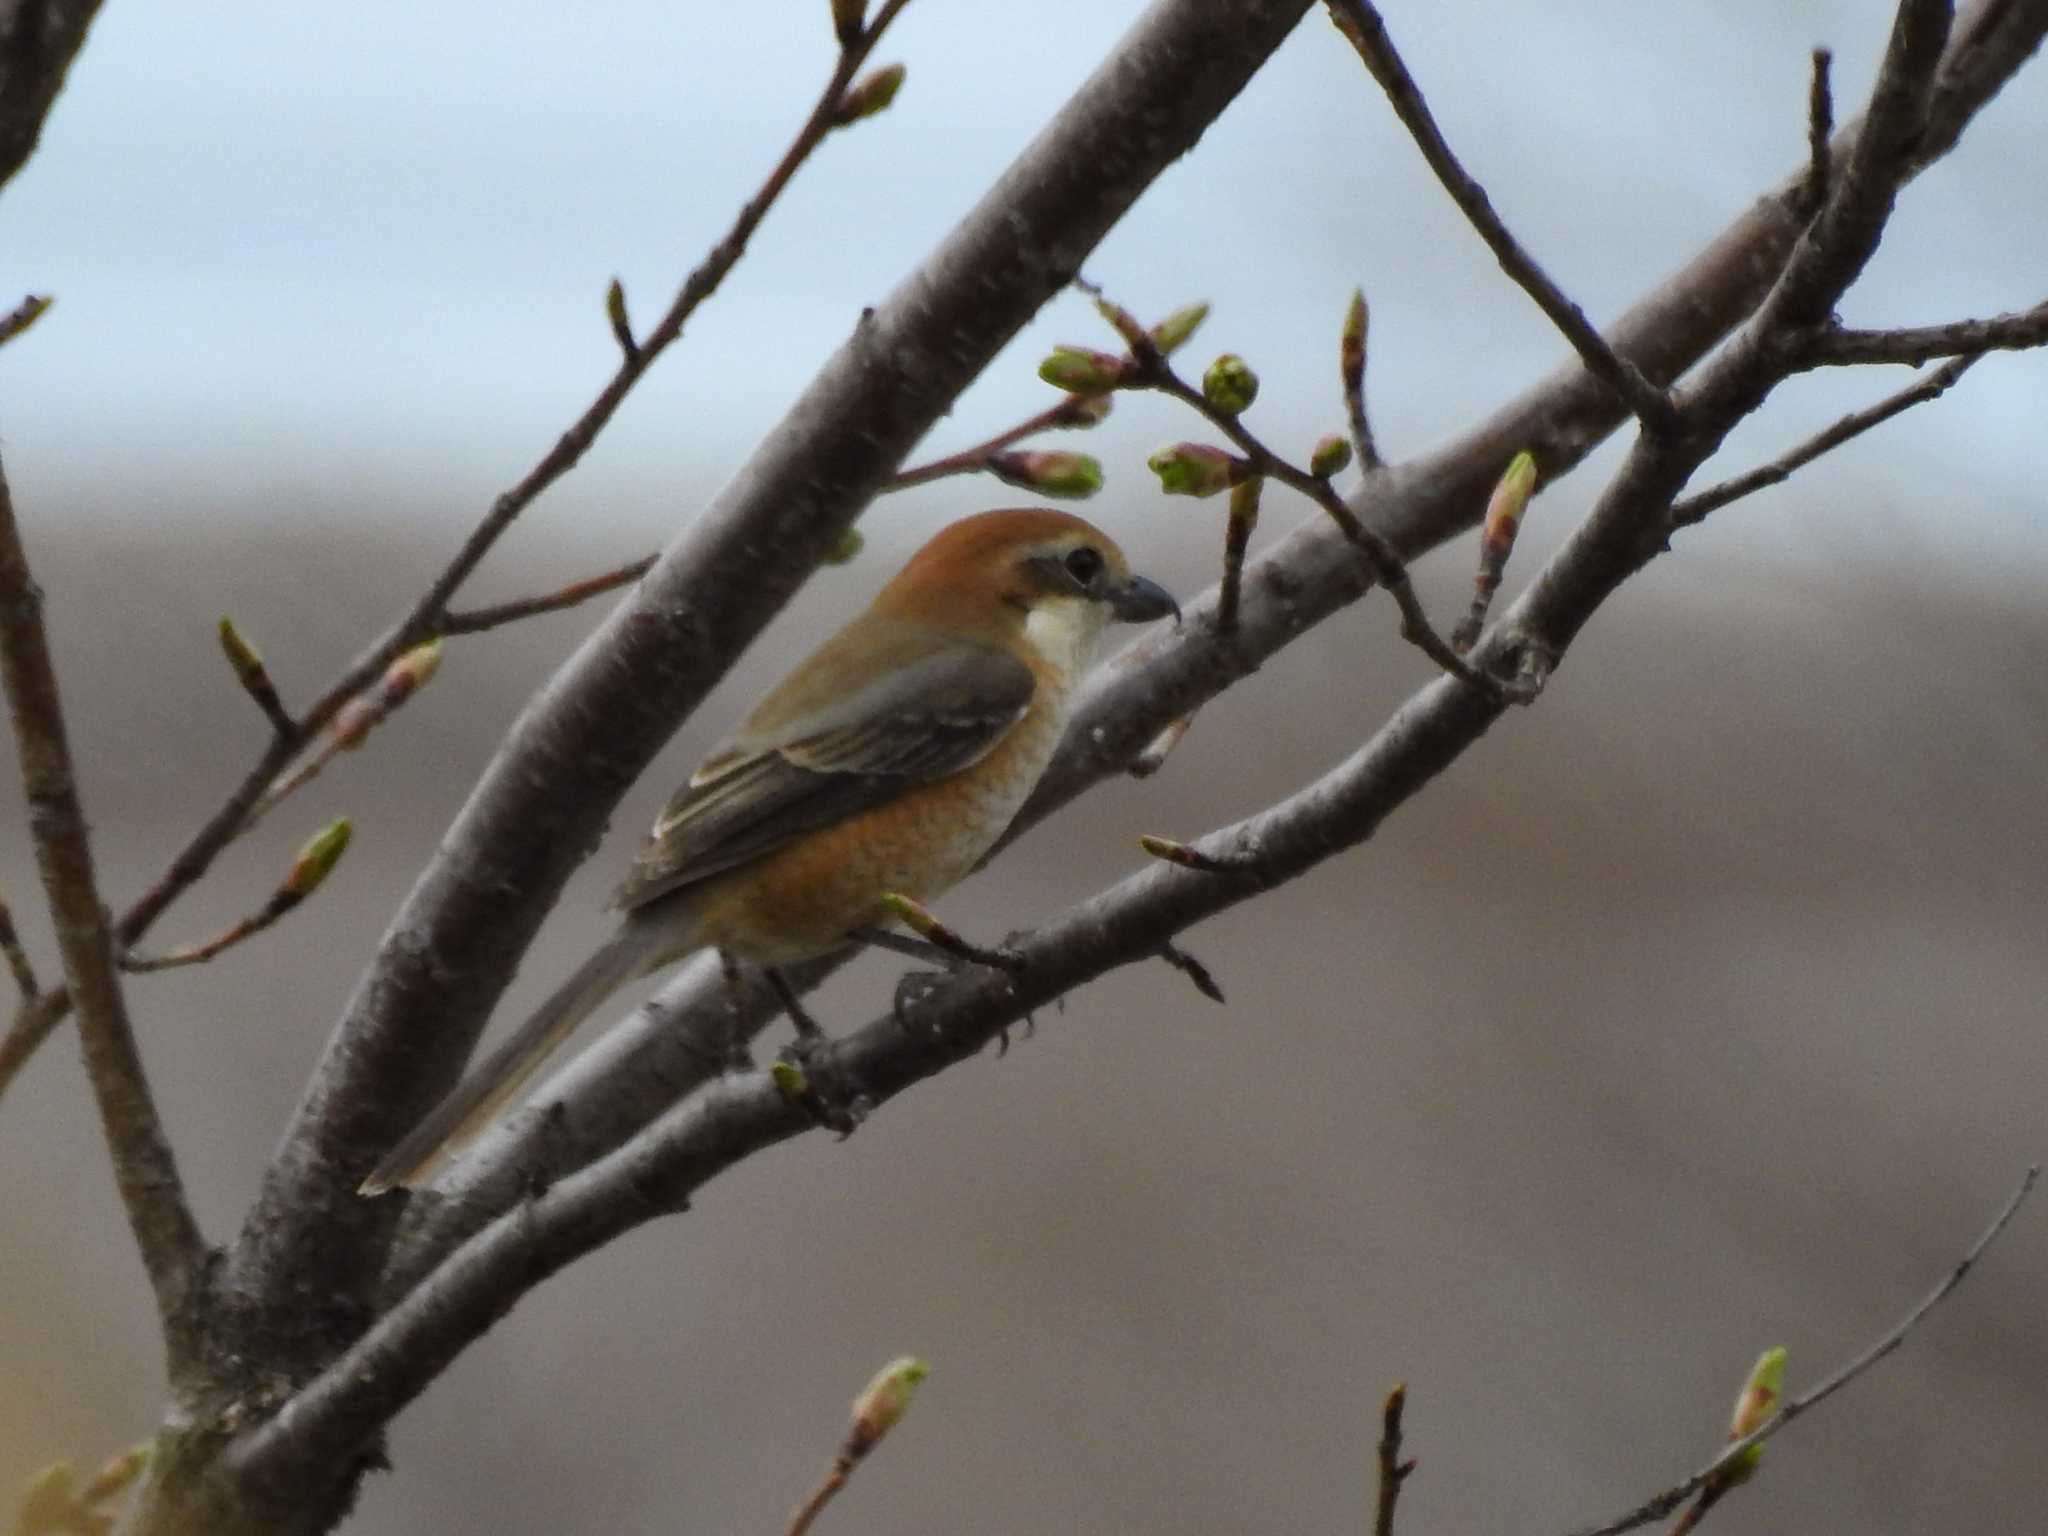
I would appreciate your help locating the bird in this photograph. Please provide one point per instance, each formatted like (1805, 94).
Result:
(886, 764)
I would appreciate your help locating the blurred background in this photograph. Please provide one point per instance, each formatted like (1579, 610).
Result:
(1698, 1009)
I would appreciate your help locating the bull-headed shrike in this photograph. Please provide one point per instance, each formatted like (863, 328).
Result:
(888, 762)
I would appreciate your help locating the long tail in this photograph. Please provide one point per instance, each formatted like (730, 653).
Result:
(641, 944)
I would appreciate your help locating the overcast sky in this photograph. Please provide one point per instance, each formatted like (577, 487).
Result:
(302, 246)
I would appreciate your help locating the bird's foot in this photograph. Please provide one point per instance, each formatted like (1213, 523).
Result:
(915, 988)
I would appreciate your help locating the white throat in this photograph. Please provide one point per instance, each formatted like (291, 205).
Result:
(1063, 631)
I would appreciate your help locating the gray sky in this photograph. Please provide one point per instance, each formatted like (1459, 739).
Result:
(306, 248)
(1698, 1010)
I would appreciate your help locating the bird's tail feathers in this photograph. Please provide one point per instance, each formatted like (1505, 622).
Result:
(640, 944)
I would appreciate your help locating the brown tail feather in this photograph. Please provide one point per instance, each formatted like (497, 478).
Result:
(644, 942)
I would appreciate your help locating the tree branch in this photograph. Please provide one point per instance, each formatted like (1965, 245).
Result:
(1361, 24)
(545, 798)
(475, 620)
(1664, 1503)
(657, 1170)
(620, 1083)
(38, 40)
(173, 1252)
(1303, 578)
(428, 615)
(1922, 344)
(1696, 507)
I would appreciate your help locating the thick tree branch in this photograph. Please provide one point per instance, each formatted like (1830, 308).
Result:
(623, 1081)
(583, 741)
(38, 40)
(173, 1252)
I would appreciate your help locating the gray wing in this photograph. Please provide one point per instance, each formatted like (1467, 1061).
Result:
(926, 720)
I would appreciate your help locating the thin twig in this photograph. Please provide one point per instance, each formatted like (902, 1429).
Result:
(1237, 538)
(314, 863)
(2018, 332)
(875, 1412)
(1388, 568)
(22, 316)
(173, 1252)
(1393, 1471)
(1160, 747)
(406, 676)
(198, 954)
(1361, 25)
(1172, 851)
(835, 1479)
(254, 676)
(1351, 360)
(475, 620)
(17, 958)
(921, 921)
(1199, 975)
(1664, 1503)
(1694, 508)
(1820, 129)
(1072, 411)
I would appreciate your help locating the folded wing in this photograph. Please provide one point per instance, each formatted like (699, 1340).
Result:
(802, 763)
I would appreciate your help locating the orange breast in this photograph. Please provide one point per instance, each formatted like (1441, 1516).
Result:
(802, 900)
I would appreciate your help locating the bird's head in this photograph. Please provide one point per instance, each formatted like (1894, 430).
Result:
(1047, 578)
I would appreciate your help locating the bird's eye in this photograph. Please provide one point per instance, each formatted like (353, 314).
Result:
(1084, 564)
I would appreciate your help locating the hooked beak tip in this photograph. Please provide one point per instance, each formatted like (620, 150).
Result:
(1142, 599)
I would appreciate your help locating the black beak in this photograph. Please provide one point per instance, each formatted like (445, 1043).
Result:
(1140, 599)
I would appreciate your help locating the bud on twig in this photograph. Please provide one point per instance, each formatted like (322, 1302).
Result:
(1051, 472)
(1172, 333)
(881, 1407)
(915, 916)
(1754, 1406)
(1082, 411)
(1121, 320)
(622, 325)
(1509, 501)
(253, 675)
(1196, 469)
(317, 858)
(847, 19)
(868, 95)
(1504, 511)
(1351, 344)
(1351, 369)
(1081, 371)
(1171, 852)
(850, 544)
(1230, 385)
(1330, 455)
(790, 1081)
(402, 679)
